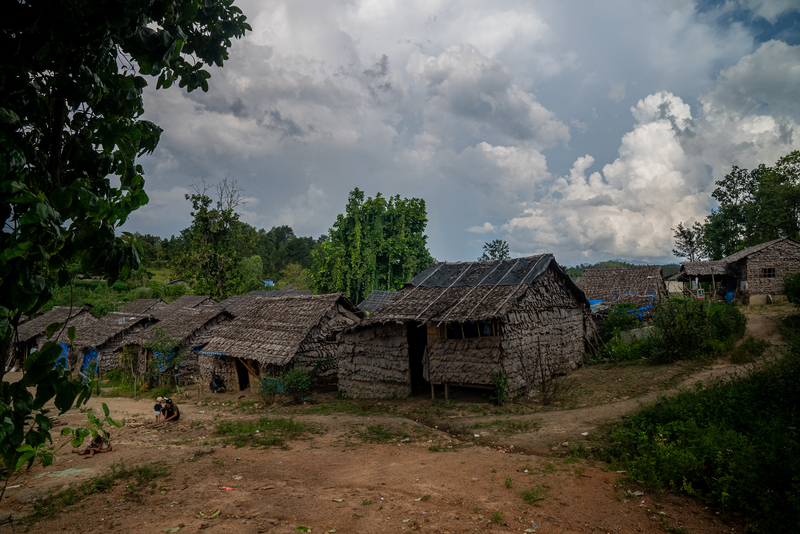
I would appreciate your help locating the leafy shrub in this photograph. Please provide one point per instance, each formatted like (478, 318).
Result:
(619, 351)
(297, 383)
(791, 288)
(749, 350)
(688, 329)
(735, 444)
(727, 323)
(619, 319)
(500, 381)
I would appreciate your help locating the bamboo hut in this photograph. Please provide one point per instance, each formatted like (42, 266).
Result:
(98, 342)
(459, 323)
(31, 334)
(190, 328)
(237, 304)
(694, 273)
(186, 301)
(274, 334)
(642, 285)
(756, 273)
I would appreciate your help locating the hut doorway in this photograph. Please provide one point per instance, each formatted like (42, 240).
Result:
(417, 337)
(242, 374)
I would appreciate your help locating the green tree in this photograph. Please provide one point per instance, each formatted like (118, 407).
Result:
(252, 268)
(211, 258)
(754, 206)
(72, 75)
(497, 249)
(688, 241)
(376, 244)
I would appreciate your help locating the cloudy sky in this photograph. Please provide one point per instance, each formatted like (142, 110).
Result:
(585, 129)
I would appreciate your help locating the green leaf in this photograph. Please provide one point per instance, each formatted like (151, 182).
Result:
(215, 514)
(301, 528)
(52, 329)
(72, 334)
(338, 500)
(105, 409)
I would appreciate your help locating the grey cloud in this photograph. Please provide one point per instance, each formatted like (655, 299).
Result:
(380, 69)
(289, 128)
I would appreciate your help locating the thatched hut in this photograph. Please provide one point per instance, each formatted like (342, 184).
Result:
(459, 323)
(642, 285)
(757, 272)
(274, 334)
(189, 329)
(186, 301)
(31, 334)
(695, 273)
(237, 304)
(97, 343)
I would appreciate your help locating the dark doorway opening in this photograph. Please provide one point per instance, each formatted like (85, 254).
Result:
(242, 374)
(417, 336)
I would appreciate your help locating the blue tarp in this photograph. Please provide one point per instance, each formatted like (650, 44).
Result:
(62, 360)
(89, 361)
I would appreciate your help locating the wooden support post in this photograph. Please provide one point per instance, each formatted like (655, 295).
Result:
(446, 391)
(433, 395)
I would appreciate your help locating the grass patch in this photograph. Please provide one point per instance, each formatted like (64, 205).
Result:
(54, 503)
(355, 407)
(381, 434)
(497, 517)
(262, 433)
(535, 494)
(749, 350)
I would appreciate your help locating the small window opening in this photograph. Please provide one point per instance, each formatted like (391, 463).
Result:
(768, 272)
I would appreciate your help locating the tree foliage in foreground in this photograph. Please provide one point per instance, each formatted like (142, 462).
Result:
(376, 244)
(72, 75)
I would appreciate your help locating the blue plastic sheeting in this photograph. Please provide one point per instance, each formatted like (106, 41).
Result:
(209, 353)
(89, 361)
(62, 360)
(729, 297)
(164, 362)
(278, 383)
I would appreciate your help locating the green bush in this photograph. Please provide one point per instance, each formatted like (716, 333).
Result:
(734, 444)
(297, 383)
(749, 350)
(619, 319)
(791, 288)
(727, 323)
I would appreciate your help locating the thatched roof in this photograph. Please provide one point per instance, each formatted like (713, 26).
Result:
(108, 327)
(143, 306)
(186, 301)
(59, 314)
(288, 291)
(375, 300)
(733, 258)
(271, 330)
(470, 291)
(181, 324)
(627, 285)
(702, 268)
(236, 304)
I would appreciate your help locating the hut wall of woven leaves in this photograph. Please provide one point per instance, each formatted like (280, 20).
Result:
(764, 270)
(529, 330)
(275, 334)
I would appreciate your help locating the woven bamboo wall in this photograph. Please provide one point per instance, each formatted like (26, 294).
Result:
(322, 343)
(464, 361)
(783, 257)
(373, 363)
(544, 334)
(224, 366)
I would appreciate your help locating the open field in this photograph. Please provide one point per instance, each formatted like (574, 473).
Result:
(457, 466)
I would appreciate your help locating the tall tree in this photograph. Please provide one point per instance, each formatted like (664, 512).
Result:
(754, 206)
(688, 241)
(72, 75)
(211, 258)
(496, 249)
(375, 244)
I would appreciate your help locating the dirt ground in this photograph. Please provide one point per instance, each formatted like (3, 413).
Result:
(388, 466)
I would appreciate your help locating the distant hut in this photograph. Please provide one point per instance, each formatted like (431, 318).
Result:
(98, 342)
(375, 300)
(695, 273)
(287, 291)
(757, 273)
(31, 334)
(459, 323)
(191, 328)
(143, 306)
(641, 285)
(274, 334)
